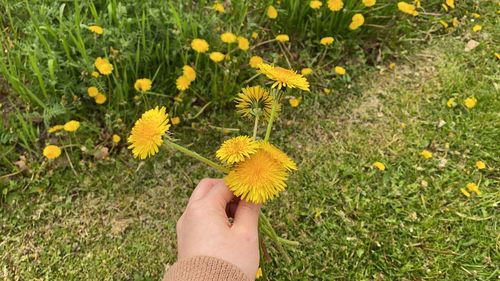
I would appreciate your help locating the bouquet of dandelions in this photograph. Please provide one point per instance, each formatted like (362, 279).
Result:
(255, 170)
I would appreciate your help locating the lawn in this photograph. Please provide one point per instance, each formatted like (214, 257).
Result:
(113, 218)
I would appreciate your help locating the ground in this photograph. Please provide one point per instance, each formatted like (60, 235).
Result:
(117, 219)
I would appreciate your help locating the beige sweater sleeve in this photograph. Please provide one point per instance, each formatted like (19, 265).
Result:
(204, 268)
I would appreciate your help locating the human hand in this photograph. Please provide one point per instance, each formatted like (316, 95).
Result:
(204, 228)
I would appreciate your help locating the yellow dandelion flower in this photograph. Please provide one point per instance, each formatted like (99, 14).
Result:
(258, 178)
(451, 103)
(379, 165)
(51, 151)
(477, 28)
(182, 83)
(327, 91)
(455, 22)
(96, 29)
(217, 56)
(236, 149)
(143, 85)
(407, 8)
(282, 38)
(189, 73)
(92, 91)
(228, 37)
(369, 3)
(476, 15)
(272, 13)
(278, 155)
(147, 133)
(55, 128)
(284, 78)
(258, 274)
(255, 35)
(306, 71)
(326, 41)
(340, 70)
(255, 61)
(100, 99)
(357, 21)
(175, 121)
(243, 43)
(103, 66)
(445, 8)
(315, 4)
(71, 126)
(95, 74)
(426, 154)
(335, 5)
(470, 102)
(480, 165)
(450, 3)
(465, 192)
(254, 100)
(218, 7)
(294, 102)
(472, 187)
(199, 45)
(116, 138)
(443, 23)
(392, 66)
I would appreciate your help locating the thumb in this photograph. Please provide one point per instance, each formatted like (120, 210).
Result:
(247, 215)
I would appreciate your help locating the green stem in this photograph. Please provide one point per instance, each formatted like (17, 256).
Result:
(271, 119)
(255, 126)
(197, 156)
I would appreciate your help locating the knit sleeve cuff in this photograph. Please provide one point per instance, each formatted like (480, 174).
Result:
(204, 268)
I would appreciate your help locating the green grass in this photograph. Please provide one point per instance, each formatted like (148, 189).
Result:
(116, 219)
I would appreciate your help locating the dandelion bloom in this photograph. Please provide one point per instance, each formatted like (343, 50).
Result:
(272, 13)
(96, 29)
(369, 3)
(340, 70)
(357, 21)
(175, 120)
(294, 102)
(379, 165)
(450, 3)
(254, 100)
(426, 154)
(455, 22)
(407, 8)
(443, 23)
(306, 71)
(143, 85)
(470, 102)
(255, 61)
(100, 98)
(228, 37)
(71, 126)
(315, 4)
(255, 35)
(392, 66)
(282, 38)
(236, 149)
(218, 7)
(472, 187)
(217, 56)
(284, 77)
(480, 165)
(103, 65)
(243, 43)
(451, 103)
(92, 91)
(51, 151)
(147, 133)
(477, 28)
(95, 74)
(326, 41)
(335, 5)
(258, 274)
(116, 138)
(189, 73)
(199, 45)
(55, 128)
(465, 192)
(182, 83)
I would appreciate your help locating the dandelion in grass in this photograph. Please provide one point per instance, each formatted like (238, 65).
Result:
(477, 28)
(258, 274)
(476, 15)
(218, 7)
(147, 133)
(327, 91)
(217, 56)
(472, 187)
(92, 91)
(470, 102)
(182, 83)
(326, 41)
(55, 129)
(95, 74)
(236, 149)
(199, 45)
(71, 126)
(143, 85)
(426, 154)
(340, 70)
(272, 13)
(392, 66)
(243, 43)
(100, 98)
(175, 121)
(357, 21)
(444, 24)
(253, 101)
(51, 151)
(379, 165)
(497, 55)
(189, 73)
(306, 71)
(455, 22)
(335, 5)
(465, 192)
(255, 61)
(445, 8)
(278, 155)
(294, 102)
(315, 5)
(480, 165)
(451, 102)
(407, 8)
(284, 78)
(116, 138)
(228, 37)
(255, 35)
(103, 66)
(450, 3)
(96, 29)
(282, 38)
(369, 3)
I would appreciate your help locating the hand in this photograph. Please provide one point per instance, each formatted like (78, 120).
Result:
(204, 228)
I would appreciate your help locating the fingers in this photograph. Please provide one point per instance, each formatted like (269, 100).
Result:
(203, 188)
(247, 215)
(219, 196)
